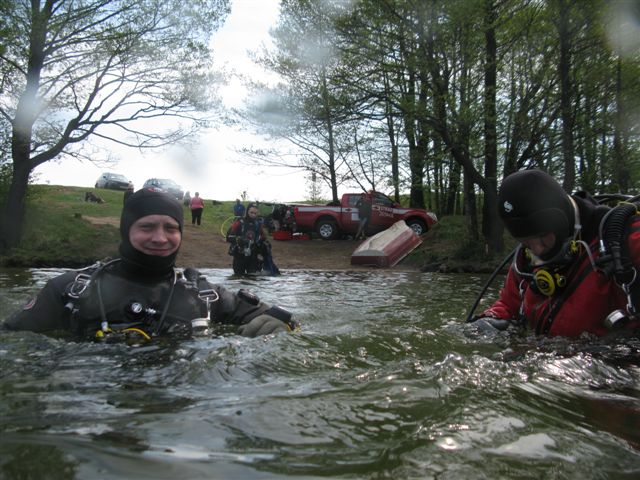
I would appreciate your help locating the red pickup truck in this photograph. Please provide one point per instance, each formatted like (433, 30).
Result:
(330, 221)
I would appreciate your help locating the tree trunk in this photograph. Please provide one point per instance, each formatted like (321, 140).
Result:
(453, 189)
(471, 212)
(391, 131)
(395, 172)
(330, 140)
(416, 194)
(621, 174)
(566, 95)
(12, 215)
(491, 230)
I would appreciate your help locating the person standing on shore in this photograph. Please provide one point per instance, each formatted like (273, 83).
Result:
(197, 206)
(238, 209)
(128, 192)
(364, 214)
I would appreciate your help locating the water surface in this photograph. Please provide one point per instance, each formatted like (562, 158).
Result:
(383, 381)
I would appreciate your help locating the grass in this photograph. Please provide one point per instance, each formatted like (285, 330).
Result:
(55, 232)
(448, 244)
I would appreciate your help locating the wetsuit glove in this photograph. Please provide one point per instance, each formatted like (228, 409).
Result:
(489, 324)
(263, 325)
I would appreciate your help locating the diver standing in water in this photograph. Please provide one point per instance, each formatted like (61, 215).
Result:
(576, 267)
(141, 294)
(250, 249)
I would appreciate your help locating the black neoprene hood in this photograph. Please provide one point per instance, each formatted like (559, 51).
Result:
(147, 202)
(140, 204)
(532, 202)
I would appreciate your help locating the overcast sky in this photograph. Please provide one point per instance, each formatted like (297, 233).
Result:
(213, 167)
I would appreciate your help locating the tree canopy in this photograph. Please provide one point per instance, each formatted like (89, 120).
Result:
(72, 70)
(443, 98)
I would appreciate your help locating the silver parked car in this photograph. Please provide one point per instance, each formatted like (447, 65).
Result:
(113, 181)
(164, 185)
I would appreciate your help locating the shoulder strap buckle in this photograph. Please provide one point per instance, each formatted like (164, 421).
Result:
(79, 285)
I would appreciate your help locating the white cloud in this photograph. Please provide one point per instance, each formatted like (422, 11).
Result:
(213, 168)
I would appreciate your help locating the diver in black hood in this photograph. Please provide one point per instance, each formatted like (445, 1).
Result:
(575, 269)
(141, 294)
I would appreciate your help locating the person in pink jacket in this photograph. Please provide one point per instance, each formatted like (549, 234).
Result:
(197, 206)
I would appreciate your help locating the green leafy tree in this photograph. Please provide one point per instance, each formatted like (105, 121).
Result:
(73, 70)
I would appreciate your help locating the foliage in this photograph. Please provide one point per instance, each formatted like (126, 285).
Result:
(447, 244)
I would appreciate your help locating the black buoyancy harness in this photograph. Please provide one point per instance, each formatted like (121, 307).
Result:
(103, 303)
(251, 230)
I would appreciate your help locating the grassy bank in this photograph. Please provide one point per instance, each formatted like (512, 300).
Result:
(58, 233)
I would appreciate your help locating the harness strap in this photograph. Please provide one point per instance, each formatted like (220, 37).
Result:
(545, 320)
(83, 280)
(166, 306)
(543, 325)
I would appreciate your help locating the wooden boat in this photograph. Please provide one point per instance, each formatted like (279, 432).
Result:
(388, 247)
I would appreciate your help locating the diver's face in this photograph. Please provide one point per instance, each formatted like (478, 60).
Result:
(252, 212)
(157, 235)
(539, 244)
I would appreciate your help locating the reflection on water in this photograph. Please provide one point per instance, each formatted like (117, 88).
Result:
(383, 381)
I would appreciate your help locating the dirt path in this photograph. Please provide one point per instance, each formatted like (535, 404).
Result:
(202, 249)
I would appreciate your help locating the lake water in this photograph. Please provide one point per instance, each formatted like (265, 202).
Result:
(384, 381)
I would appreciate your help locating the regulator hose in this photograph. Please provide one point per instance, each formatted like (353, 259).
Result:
(489, 282)
(606, 198)
(612, 228)
(223, 230)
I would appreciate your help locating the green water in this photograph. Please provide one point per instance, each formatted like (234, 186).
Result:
(383, 381)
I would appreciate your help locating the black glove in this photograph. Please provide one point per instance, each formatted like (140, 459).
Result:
(263, 325)
(240, 242)
(490, 324)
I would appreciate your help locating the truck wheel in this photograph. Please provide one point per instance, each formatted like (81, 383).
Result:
(327, 229)
(417, 226)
